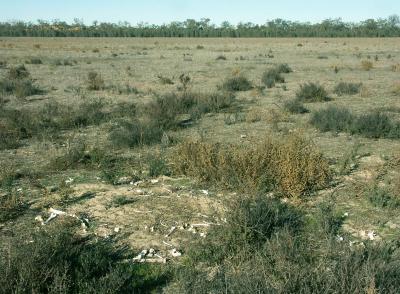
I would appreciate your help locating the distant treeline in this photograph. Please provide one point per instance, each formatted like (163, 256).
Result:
(389, 27)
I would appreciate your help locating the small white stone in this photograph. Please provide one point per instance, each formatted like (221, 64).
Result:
(117, 229)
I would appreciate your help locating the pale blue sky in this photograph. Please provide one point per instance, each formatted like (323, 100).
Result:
(164, 11)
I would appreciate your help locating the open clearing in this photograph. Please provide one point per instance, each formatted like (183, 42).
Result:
(141, 206)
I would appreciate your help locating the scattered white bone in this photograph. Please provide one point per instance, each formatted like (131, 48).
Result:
(154, 181)
(371, 235)
(117, 229)
(57, 212)
(192, 229)
(40, 219)
(205, 192)
(175, 253)
(151, 253)
(346, 214)
(19, 190)
(243, 136)
(339, 238)
(137, 183)
(170, 231)
(166, 243)
(203, 235)
(51, 217)
(69, 180)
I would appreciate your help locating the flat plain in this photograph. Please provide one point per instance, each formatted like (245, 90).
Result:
(139, 197)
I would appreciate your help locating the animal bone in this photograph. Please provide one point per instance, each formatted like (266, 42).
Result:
(170, 231)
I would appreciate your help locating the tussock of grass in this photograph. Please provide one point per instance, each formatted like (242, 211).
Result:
(292, 165)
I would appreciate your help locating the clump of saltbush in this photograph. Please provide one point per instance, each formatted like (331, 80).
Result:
(19, 83)
(295, 106)
(375, 124)
(57, 259)
(312, 92)
(266, 246)
(237, 83)
(344, 88)
(333, 118)
(273, 75)
(95, 81)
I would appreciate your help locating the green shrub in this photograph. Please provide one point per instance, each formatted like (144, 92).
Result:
(221, 57)
(135, 133)
(237, 83)
(59, 260)
(158, 166)
(344, 88)
(272, 76)
(371, 125)
(34, 60)
(95, 81)
(18, 82)
(333, 118)
(284, 68)
(18, 72)
(382, 197)
(295, 106)
(265, 248)
(376, 125)
(312, 92)
(3, 63)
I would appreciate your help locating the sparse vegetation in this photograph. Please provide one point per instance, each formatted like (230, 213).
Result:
(19, 83)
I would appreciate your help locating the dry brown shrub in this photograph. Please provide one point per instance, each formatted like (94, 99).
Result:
(291, 166)
(395, 67)
(367, 65)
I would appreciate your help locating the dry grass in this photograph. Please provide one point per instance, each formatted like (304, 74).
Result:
(292, 164)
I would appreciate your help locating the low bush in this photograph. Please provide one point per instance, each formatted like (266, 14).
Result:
(19, 83)
(382, 197)
(344, 88)
(237, 83)
(284, 68)
(295, 106)
(376, 125)
(312, 92)
(221, 57)
(59, 260)
(371, 125)
(165, 80)
(367, 65)
(135, 133)
(291, 166)
(272, 76)
(95, 81)
(265, 247)
(34, 60)
(333, 118)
